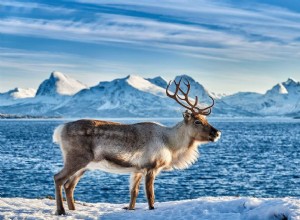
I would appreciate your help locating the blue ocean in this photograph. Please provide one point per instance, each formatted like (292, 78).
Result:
(254, 157)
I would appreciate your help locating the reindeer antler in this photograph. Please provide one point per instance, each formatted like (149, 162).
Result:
(192, 107)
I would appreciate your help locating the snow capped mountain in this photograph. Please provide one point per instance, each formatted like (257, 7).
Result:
(277, 90)
(202, 93)
(282, 99)
(15, 94)
(292, 87)
(19, 93)
(59, 85)
(289, 87)
(134, 96)
(50, 94)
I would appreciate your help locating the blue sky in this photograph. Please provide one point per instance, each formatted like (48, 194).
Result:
(228, 46)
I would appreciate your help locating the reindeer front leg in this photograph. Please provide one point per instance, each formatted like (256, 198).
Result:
(149, 184)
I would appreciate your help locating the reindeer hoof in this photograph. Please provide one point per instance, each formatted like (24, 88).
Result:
(127, 208)
(151, 207)
(60, 212)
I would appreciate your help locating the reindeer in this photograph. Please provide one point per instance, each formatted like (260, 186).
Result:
(142, 149)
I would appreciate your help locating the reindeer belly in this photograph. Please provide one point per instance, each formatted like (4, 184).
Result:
(115, 158)
(110, 167)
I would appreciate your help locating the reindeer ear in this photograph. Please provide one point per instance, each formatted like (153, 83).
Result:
(187, 115)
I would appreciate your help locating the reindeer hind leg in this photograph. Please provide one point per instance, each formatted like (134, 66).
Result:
(69, 187)
(72, 165)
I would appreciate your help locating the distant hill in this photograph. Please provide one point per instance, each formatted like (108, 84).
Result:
(281, 100)
(134, 96)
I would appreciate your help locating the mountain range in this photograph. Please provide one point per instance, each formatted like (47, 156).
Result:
(134, 96)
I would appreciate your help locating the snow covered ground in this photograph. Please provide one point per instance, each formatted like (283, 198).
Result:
(203, 208)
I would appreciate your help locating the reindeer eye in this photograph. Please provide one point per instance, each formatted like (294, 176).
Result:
(197, 122)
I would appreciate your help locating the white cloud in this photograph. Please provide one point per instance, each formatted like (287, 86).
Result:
(6, 4)
(257, 19)
(200, 28)
(194, 40)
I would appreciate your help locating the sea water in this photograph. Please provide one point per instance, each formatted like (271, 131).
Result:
(254, 157)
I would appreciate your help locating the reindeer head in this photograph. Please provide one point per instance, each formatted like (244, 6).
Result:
(194, 117)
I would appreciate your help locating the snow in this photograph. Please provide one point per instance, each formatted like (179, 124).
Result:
(214, 208)
(277, 90)
(282, 89)
(19, 93)
(144, 85)
(67, 85)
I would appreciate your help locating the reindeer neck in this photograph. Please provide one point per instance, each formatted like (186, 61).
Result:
(179, 137)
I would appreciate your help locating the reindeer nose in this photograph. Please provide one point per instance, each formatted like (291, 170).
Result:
(215, 133)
